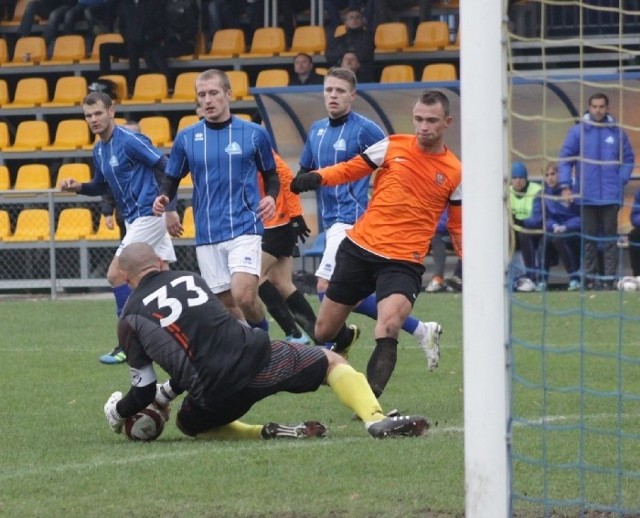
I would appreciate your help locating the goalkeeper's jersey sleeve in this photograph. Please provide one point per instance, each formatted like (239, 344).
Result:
(411, 189)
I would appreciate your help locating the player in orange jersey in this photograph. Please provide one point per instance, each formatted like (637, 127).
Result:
(418, 177)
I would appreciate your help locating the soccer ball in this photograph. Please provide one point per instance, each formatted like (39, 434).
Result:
(629, 284)
(146, 425)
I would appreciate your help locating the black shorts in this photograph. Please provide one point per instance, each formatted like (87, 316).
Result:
(279, 241)
(359, 273)
(292, 368)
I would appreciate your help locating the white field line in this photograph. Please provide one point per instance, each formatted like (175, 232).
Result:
(200, 447)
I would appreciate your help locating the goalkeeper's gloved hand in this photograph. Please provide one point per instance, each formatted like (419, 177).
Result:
(110, 412)
(306, 182)
(302, 231)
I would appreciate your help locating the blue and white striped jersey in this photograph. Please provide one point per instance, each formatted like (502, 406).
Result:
(126, 162)
(331, 141)
(224, 160)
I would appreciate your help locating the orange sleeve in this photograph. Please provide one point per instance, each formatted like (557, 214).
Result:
(291, 200)
(454, 226)
(346, 172)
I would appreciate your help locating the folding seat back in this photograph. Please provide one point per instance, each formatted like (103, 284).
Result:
(67, 49)
(30, 92)
(5, 225)
(5, 141)
(430, 35)
(184, 89)
(226, 43)
(188, 226)
(267, 41)
(74, 224)
(157, 128)
(310, 39)
(187, 120)
(397, 74)
(32, 177)
(148, 88)
(69, 91)
(107, 37)
(272, 78)
(239, 80)
(5, 179)
(391, 37)
(79, 171)
(28, 50)
(4, 92)
(120, 81)
(30, 136)
(70, 134)
(439, 72)
(32, 225)
(4, 51)
(104, 233)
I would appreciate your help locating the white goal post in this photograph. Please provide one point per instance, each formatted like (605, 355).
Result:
(483, 94)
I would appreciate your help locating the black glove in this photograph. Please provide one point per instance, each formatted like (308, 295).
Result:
(305, 182)
(300, 228)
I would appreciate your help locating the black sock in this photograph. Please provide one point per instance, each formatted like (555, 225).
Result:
(302, 312)
(381, 364)
(344, 338)
(277, 308)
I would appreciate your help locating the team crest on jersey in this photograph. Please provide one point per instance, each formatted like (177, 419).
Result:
(320, 132)
(440, 177)
(233, 149)
(113, 161)
(340, 145)
(199, 136)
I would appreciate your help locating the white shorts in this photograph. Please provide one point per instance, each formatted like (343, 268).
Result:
(153, 231)
(335, 234)
(220, 261)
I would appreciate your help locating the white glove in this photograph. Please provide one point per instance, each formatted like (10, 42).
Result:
(164, 394)
(110, 412)
(559, 229)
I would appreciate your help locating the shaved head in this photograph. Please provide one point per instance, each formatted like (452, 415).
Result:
(136, 258)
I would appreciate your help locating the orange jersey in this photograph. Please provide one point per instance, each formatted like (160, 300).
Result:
(287, 203)
(411, 189)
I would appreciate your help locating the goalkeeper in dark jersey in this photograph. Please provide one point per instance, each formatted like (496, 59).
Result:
(173, 319)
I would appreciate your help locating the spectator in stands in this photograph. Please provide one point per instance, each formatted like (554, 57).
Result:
(51, 10)
(634, 236)
(351, 62)
(99, 14)
(357, 39)
(561, 222)
(596, 161)
(440, 243)
(7, 8)
(143, 26)
(377, 258)
(133, 181)
(304, 73)
(522, 195)
(228, 247)
(383, 11)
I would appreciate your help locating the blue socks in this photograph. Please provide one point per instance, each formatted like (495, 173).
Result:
(121, 293)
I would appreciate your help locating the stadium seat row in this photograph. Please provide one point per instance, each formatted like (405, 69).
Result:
(230, 43)
(74, 224)
(31, 177)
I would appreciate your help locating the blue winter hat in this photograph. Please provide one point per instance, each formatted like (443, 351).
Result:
(518, 170)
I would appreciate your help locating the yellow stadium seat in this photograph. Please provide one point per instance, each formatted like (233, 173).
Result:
(188, 225)
(29, 50)
(341, 30)
(122, 91)
(5, 179)
(322, 71)
(391, 37)
(32, 177)
(4, 51)
(32, 225)
(186, 181)
(30, 136)
(69, 91)
(266, 42)
(18, 12)
(226, 43)
(148, 88)
(431, 35)
(4, 92)
(70, 134)
(272, 77)
(244, 116)
(439, 72)
(4, 136)
(187, 120)
(310, 39)
(104, 233)
(74, 224)
(239, 80)
(107, 37)
(397, 74)
(29, 93)
(5, 225)
(79, 171)
(157, 128)
(184, 89)
(67, 49)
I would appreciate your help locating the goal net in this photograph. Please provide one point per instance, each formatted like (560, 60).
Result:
(573, 346)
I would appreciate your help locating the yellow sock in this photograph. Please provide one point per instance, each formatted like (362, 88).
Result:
(235, 431)
(353, 391)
